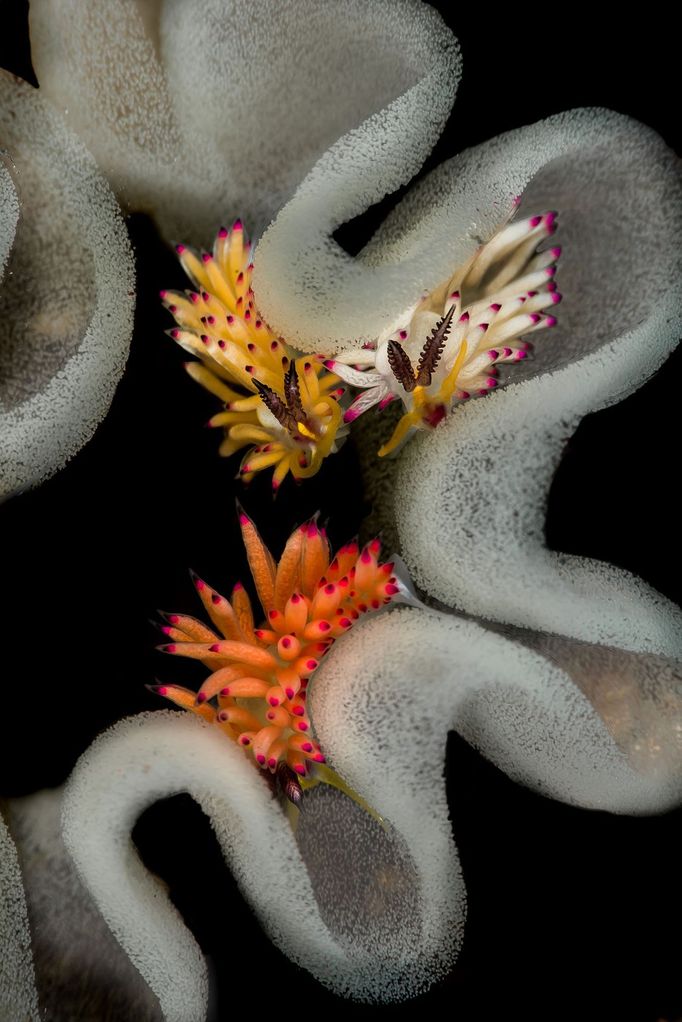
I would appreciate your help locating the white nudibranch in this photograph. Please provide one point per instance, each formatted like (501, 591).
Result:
(447, 347)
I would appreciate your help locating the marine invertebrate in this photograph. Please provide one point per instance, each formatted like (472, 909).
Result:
(614, 181)
(132, 83)
(150, 757)
(67, 294)
(124, 77)
(286, 409)
(449, 346)
(467, 500)
(18, 996)
(374, 910)
(260, 676)
(79, 969)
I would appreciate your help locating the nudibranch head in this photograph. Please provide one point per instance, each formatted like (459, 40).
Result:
(447, 347)
(284, 409)
(256, 692)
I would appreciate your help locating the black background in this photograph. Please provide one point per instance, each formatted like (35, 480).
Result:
(572, 914)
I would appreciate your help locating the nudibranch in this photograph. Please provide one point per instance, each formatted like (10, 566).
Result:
(447, 347)
(256, 692)
(284, 409)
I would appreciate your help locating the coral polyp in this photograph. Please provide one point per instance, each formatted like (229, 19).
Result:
(256, 691)
(284, 409)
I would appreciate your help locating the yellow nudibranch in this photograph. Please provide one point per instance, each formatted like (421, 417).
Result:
(256, 692)
(284, 409)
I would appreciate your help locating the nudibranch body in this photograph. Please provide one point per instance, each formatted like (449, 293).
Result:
(284, 409)
(448, 346)
(256, 692)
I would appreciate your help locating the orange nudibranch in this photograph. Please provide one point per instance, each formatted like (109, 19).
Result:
(256, 691)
